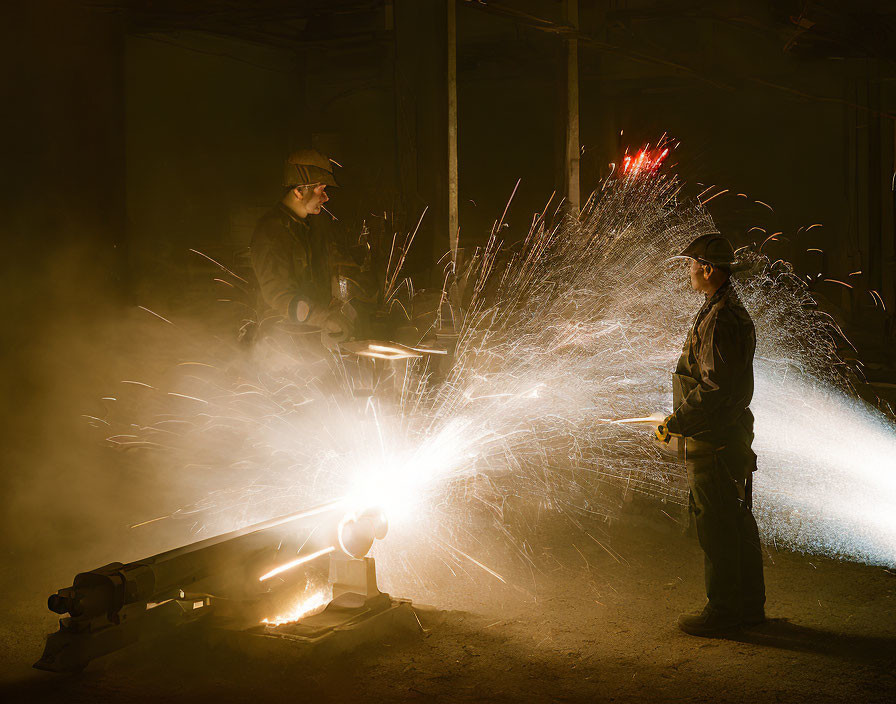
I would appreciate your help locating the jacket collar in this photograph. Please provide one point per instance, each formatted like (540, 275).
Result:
(290, 217)
(720, 293)
(712, 301)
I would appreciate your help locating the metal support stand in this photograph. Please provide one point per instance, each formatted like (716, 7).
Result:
(359, 613)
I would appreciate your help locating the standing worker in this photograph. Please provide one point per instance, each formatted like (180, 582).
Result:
(291, 256)
(712, 389)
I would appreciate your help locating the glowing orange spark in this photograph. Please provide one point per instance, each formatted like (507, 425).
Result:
(647, 160)
(219, 265)
(302, 608)
(191, 398)
(155, 314)
(137, 383)
(770, 238)
(716, 195)
(151, 520)
(295, 563)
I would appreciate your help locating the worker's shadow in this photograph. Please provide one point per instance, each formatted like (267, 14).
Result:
(783, 634)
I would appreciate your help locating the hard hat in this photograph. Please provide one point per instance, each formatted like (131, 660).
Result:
(308, 167)
(711, 249)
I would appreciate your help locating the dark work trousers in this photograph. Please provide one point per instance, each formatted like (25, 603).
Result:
(727, 533)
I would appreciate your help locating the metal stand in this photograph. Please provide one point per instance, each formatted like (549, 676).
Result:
(359, 613)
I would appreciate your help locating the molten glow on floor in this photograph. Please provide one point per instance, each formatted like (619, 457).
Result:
(306, 605)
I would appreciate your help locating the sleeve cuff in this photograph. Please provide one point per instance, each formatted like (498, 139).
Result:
(673, 425)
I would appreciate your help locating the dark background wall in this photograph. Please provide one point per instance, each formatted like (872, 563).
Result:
(206, 130)
(138, 131)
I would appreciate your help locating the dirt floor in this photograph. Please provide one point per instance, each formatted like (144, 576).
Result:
(597, 627)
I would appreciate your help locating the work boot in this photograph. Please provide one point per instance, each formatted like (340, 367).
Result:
(708, 623)
(753, 617)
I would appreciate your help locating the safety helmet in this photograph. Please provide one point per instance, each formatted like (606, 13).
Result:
(308, 167)
(710, 249)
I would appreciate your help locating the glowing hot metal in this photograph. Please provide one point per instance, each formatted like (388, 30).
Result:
(295, 563)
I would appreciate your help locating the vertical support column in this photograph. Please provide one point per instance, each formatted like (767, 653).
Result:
(422, 129)
(875, 189)
(453, 222)
(573, 194)
(890, 296)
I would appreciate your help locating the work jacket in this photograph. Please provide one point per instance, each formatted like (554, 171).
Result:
(713, 382)
(291, 261)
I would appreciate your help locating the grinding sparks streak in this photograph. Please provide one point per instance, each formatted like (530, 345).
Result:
(559, 337)
(716, 195)
(155, 314)
(771, 238)
(151, 520)
(295, 563)
(452, 548)
(137, 383)
(219, 265)
(843, 505)
(302, 608)
(189, 398)
(644, 161)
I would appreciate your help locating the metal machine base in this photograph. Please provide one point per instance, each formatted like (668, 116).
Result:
(358, 614)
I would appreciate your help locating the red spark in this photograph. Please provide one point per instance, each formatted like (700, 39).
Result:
(645, 161)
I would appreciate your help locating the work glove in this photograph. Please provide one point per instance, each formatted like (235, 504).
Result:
(662, 431)
(336, 327)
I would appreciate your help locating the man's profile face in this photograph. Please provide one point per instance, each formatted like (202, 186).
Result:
(315, 199)
(698, 276)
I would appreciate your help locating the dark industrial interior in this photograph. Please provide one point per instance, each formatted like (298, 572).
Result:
(143, 142)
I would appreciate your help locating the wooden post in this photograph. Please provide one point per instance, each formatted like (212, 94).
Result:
(453, 223)
(571, 17)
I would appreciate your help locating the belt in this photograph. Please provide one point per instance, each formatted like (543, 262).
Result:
(693, 446)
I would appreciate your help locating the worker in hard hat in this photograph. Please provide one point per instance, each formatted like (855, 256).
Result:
(712, 389)
(291, 254)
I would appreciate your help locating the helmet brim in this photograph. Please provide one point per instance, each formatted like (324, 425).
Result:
(297, 175)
